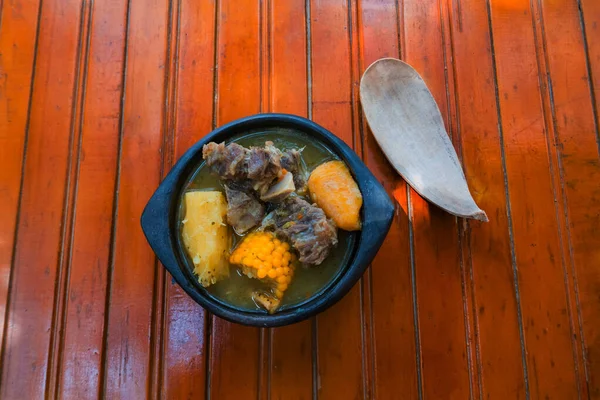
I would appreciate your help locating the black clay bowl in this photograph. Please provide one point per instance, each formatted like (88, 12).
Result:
(160, 225)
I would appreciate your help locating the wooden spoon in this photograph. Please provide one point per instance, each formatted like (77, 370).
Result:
(408, 126)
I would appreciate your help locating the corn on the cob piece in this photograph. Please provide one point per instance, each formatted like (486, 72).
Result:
(261, 255)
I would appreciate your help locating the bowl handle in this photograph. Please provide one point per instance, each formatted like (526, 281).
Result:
(155, 223)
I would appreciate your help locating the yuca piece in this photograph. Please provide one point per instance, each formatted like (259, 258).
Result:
(332, 187)
(205, 235)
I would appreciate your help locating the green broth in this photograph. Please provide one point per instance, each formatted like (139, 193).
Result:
(237, 290)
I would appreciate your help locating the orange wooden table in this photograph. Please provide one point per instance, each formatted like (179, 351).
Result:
(99, 98)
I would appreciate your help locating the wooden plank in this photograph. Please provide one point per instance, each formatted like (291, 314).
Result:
(18, 42)
(574, 149)
(81, 341)
(186, 348)
(391, 300)
(28, 343)
(488, 251)
(438, 263)
(65, 251)
(339, 329)
(159, 327)
(238, 91)
(195, 73)
(545, 308)
(589, 14)
(288, 60)
(290, 352)
(234, 352)
(128, 356)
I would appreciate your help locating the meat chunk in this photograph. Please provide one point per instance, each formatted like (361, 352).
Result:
(305, 227)
(255, 168)
(291, 160)
(264, 166)
(244, 211)
(226, 161)
(280, 190)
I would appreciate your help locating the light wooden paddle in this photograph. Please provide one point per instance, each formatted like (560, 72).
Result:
(408, 126)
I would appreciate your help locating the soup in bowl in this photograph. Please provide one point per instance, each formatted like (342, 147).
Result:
(268, 220)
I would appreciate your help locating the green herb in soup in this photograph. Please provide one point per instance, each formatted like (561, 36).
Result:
(285, 249)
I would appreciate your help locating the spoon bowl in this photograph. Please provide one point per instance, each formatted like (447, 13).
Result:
(408, 126)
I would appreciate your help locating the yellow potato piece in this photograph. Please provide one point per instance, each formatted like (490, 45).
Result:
(206, 236)
(332, 187)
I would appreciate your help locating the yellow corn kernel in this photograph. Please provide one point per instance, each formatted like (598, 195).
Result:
(263, 256)
(282, 287)
(280, 250)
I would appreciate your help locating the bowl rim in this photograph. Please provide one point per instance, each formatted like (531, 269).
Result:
(159, 225)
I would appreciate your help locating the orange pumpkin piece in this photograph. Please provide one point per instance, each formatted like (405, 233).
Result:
(332, 187)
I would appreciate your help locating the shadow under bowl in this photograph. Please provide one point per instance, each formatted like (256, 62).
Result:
(160, 225)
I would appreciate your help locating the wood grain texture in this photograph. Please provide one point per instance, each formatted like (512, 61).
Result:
(96, 166)
(436, 243)
(127, 357)
(589, 17)
(545, 312)
(18, 44)
(339, 333)
(186, 322)
(489, 283)
(582, 222)
(391, 300)
(38, 257)
(577, 173)
(98, 99)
